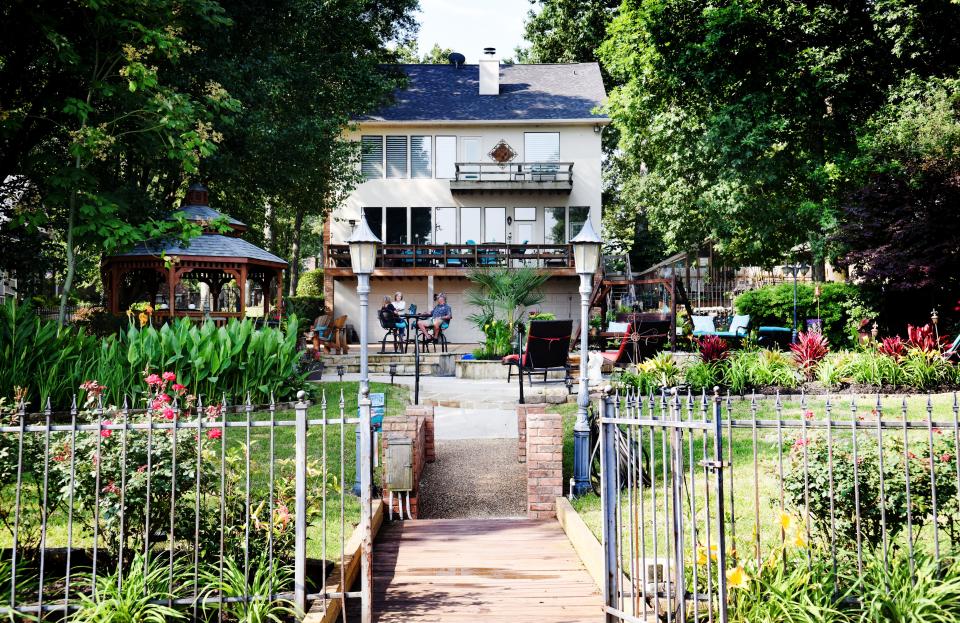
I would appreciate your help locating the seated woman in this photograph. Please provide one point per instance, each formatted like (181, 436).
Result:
(389, 317)
(398, 303)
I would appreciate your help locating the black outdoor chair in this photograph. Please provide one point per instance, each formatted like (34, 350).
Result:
(394, 327)
(441, 338)
(548, 345)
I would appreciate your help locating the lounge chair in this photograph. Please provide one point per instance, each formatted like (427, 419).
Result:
(334, 338)
(547, 348)
(622, 355)
(704, 325)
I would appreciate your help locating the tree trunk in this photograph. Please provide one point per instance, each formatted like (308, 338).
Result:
(295, 251)
(71, 260)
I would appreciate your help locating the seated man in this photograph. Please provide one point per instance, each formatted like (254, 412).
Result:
(441, 313)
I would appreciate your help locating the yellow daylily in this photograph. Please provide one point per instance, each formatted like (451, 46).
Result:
(786, 521)
(702, 554)
(143, 319)
(799, 541)
(737, 577)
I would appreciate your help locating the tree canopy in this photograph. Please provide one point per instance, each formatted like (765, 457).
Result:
(741, 122)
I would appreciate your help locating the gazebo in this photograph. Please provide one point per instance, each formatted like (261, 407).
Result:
(207, 277)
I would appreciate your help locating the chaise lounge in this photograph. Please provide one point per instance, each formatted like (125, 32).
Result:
(546, 349)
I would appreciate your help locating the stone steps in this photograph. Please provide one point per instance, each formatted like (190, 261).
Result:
(431, 364)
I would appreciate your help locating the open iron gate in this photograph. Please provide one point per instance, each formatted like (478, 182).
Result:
(665, 550)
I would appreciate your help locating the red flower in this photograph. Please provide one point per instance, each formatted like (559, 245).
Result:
(808, 414)
(799, 443)
(169, 376)
(107, 432)
(164, 398)
(111, 488)
(937, 430)
(153, 379)
(169, 413)
(156, 404)
(142, 469)
(946, 457)
(177, 387)
(911, 455)
(214, 433)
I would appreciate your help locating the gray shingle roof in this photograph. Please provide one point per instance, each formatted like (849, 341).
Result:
(204, 213)
(448, 93)
(213, 245)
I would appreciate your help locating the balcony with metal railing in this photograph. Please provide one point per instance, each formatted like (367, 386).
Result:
(552, 177)
(455, 259)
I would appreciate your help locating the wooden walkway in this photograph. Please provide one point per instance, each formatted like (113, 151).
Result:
(480, 570)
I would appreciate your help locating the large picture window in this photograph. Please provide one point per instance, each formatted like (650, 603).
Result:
(555, 225)
(446, 226)
(446, 157)
(494, 224)
(371, 157)
(421, 225)
(396, 230)
(470, 225)
(374, 218)
(541, 146)
(421, 157)
(396, 157)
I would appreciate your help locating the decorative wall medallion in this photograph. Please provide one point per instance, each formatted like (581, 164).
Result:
(502, 152)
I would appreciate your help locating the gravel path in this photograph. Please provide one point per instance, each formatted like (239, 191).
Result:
(474, 478)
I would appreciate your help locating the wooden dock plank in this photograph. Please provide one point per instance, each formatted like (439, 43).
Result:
(448, 571)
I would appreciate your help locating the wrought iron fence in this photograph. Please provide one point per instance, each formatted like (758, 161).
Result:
(696, 488)
(226, 505)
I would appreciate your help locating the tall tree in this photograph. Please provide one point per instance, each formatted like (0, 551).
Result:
(95, 116)
(739, 119)
(304, 69)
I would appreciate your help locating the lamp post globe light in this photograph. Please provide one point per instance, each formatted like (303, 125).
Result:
(363, 256)
(795, 270)
(586, 258)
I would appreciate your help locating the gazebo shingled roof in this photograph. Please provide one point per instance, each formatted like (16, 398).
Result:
(156, 267)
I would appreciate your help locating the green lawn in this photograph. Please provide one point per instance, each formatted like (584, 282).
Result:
(756, 484)
(339, 442)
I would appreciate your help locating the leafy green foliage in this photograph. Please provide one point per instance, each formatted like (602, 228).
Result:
(841, 307)
(754, 369)
(307, 307)
(922, 591)
(265, 580)
(311, 283)
(138, 598)
(51, 361)
(500, 295)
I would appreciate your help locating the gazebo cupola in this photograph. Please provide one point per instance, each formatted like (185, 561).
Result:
(210, 275)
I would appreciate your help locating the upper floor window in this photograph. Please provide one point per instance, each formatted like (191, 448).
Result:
(541, 146)
(371, 158)
(421, 156)
(396, 157)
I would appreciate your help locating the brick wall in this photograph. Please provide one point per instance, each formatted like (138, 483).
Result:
(415, 424)
(544, 464)
(522, 411)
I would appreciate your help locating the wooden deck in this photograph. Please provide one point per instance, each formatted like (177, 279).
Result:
(479, 570)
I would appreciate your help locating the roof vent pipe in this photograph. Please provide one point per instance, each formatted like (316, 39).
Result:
(489, 72)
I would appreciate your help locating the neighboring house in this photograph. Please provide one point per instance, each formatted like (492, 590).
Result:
(473, 165)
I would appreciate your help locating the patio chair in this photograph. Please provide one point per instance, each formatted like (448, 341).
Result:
(622, 355)
(441, 338)
(395, 327)
(319, 325)
(334, 338)
(952, 351)
(547, 348)
(739, 327)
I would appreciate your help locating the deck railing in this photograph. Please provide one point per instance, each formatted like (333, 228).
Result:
(514, 172)
(555, 256)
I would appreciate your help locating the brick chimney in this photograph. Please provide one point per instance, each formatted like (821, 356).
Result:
(489, 72)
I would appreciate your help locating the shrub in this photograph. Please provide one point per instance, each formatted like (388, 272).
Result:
(712, 348)
(311, 283)
(704, 376)
(124, 462)
(925, 369)
(876, 368)
(663, 369)
(808, 350)
(638, 380)
(304, 307)
(842, 307)
(923, 590)
(867, 483)
(893, 347)
(497, 340)
(233, 583)
(836, 368)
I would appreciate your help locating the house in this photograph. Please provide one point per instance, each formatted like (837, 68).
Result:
(473, 166)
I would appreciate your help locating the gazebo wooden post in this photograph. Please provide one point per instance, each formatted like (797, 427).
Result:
(266, 296)
(243, 291)
(172, 287)
(279, 292)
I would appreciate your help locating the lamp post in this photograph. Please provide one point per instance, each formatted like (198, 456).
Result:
(586, 257)
(795, 270)
(363, 255)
